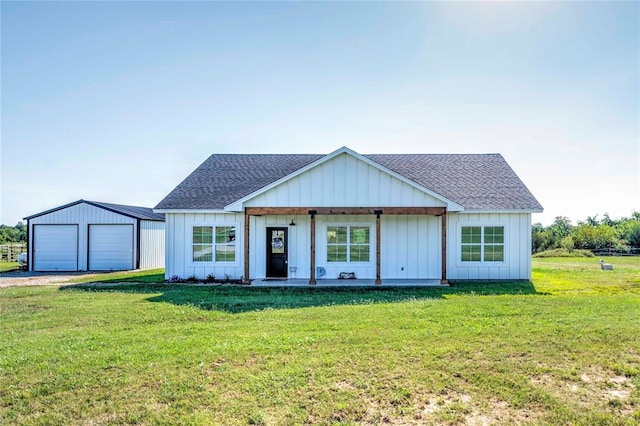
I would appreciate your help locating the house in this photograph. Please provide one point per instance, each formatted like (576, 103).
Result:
(384, 218)
(94, 236)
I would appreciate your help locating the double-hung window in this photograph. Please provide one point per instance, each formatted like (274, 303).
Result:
(348, 243)
(208, 240)
(202, 243)
(225, 243)
(482, 244)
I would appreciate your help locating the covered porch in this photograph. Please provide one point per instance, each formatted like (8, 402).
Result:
(312, 212)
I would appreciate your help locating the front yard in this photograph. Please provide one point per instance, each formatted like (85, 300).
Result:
(563, 350)
(8, 266)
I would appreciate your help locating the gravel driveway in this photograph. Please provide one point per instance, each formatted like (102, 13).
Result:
(24, 278)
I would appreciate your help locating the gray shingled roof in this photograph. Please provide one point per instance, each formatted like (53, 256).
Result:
(143, 213)
(225, 178)
(475, 181)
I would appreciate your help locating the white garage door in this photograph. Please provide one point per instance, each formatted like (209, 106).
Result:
(110, 247)
(55, 247)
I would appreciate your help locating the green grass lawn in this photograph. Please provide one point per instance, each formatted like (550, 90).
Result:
(562, 350)
(8, 266)
(137, 276)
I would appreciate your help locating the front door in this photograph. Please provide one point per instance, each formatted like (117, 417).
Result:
(276, 252)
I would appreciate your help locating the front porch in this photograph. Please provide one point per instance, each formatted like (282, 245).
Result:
(293, 282)
(376, 255)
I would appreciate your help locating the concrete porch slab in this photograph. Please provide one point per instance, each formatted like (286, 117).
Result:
(347, 283)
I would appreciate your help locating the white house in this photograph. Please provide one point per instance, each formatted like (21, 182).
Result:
(383, 217)
(94, 236)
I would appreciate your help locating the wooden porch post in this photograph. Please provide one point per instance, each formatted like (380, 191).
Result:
(378, 280)
(312, 279)
(443, 219)
(247, 218)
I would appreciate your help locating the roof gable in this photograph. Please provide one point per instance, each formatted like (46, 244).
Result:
(237, 205)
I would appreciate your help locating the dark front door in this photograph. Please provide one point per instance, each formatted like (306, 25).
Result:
(277, 252)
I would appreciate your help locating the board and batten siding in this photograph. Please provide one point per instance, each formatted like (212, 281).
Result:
(517, 247)
(344, 181)
(83, 215)
(179, 245)
(411, 245)
(151, 244)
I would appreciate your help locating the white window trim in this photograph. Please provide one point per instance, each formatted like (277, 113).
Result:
(482, 262)
(372, 244)
(214, 262)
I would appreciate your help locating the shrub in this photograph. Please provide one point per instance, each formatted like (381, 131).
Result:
(567, 243)
(564, 253)
(595, 237)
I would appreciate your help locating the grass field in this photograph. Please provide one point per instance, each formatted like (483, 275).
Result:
(137, 276)
(562, 350)
(8, 266)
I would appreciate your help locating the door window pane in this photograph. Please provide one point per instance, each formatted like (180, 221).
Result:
(277, 242)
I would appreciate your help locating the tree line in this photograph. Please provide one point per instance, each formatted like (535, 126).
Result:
(13, 234)
(619, 235)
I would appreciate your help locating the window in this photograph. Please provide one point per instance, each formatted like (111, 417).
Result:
(471, 243)
(359, 244)
(348, 243)
(493, 243)
(204, 245)
(482, 244)
(225, 243)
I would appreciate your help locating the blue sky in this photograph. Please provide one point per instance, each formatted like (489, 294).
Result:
(120, 101)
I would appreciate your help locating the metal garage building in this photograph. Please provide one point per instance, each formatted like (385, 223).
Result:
(94, 236)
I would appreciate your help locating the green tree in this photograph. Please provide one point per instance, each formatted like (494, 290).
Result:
(590, 237)
(13, 234)
(540, 238)
(593, 220)
(592, 234)
(631, 232)
(606, 220)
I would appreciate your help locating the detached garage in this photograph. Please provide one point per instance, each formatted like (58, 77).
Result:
(94, 236)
